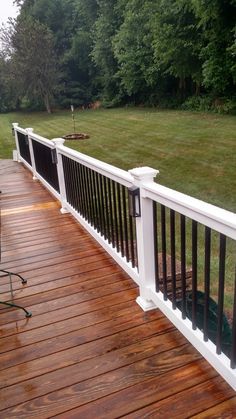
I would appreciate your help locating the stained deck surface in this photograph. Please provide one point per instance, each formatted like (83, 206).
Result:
(88, 351)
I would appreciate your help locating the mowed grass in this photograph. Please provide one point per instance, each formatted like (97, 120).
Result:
(195, 154)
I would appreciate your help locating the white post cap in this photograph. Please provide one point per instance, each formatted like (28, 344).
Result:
(58, 141)
(143, 173)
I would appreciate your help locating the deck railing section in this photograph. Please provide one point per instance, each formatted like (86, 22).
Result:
(94, 192)
(103, 203)
(39, 155)
(180, 250)
(22, 142)
(46, 163)
(192, 236)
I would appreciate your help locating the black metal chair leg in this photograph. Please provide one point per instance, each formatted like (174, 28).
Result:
(23, 281)
(27, 313)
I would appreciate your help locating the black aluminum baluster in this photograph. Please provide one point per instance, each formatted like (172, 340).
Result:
(120, 218)
(183, 264)
(126, 237)
(69, 180)
(85, 186)
(194, 275)
(89, 196)
(102, 206)
(86, 193)
(155, 241)
(111, 212)
(82, 208)
(135, 241)
(73, 183)
(81, 203)
(96, 211)
(98, 203)
(90, 180)
(221, 293)
(233, 349)
(77, 188)
(173, 259)
(115, 217)
(207, 281)
(81, 190)
(85, 169)
(94, 188)
(131, 233)
(105, 180)
(163, 243)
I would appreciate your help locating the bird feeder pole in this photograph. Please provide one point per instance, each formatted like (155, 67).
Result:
(73, 116)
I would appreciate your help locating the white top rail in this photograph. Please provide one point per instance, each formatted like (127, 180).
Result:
(21, 130)
(112, 172)
(209, 215)
(35, 137)
(41, 140)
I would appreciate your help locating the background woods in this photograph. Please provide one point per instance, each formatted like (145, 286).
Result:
(162, 53)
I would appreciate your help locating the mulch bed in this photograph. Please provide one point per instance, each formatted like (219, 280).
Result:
(76, 136)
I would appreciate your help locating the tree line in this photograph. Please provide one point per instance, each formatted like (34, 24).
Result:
(150, 52)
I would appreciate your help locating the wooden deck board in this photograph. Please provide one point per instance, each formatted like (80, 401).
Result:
(88, 351)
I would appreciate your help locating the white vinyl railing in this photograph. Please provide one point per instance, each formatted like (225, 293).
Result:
(147, 247)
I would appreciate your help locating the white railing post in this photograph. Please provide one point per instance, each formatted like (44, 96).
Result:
(60, 171)
(15, 125)
(30, 131)
(145, 234)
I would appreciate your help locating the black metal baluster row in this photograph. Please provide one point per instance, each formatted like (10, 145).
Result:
(155, 242)
(207, 281)
(194, 273)
(173, 258)
(104, 204)
(24, 147)
(163, 242)
(46, 164)
(190, 301)
(110, 204)
(221, 287)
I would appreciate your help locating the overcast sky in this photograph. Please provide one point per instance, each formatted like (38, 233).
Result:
(7, 9)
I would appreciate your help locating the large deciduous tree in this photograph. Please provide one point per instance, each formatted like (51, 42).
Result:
(33, 60)
(110, 16)
(177, 42)
(133, 49)
(217, 21)
(79, 69)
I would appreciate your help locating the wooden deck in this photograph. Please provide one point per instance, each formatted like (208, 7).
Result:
(88, 351)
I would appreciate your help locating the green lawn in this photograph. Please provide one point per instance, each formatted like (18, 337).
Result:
(195, 153)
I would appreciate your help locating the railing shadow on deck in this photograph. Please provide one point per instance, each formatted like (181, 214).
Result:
(179, 250)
